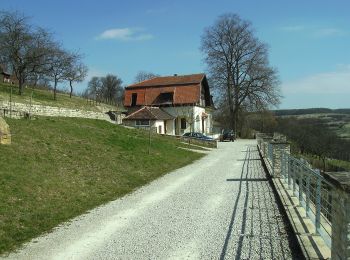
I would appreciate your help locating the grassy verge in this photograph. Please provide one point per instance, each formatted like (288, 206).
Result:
(45, 97)
(332, 165)
(58, 168)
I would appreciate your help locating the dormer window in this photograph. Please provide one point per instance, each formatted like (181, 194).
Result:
(166, 98)
(133, 99)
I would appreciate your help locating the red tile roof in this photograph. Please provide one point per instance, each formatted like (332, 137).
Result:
(170, 80)
(151, 113)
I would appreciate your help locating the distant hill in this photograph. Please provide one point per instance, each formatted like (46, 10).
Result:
(337, 120)
(308, 111)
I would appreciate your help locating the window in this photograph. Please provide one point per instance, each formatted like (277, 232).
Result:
(143, 122)
(165, 98)
(133, 99)
(183, 123)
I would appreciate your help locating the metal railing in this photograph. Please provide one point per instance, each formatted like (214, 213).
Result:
(322, 198)
(311, 189)
(307, 184)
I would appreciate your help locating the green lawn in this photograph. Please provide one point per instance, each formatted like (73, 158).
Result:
(332, 165)
(58, 168)
(45, 97)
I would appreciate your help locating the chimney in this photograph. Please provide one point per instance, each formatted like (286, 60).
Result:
(175, 75)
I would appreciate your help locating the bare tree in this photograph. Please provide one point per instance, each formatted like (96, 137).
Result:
(143, 75)
(238, 66)
(23, 47)
(94, 88)
(108, 88)
(111, 87)
(263, 121)
(76, 72)
(60, 62)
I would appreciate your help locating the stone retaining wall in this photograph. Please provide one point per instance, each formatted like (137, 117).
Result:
(201, 142)
(21, 110)
(5, 135)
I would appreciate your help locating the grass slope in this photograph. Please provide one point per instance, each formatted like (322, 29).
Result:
(332, 165)
(45, 97)
(58, 168)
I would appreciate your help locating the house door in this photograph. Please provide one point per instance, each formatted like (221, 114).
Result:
(133, 99)
(165, 127)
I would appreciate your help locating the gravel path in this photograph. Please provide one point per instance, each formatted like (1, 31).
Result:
(220, 207)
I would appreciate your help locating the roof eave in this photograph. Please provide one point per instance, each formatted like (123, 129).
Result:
(163, 85)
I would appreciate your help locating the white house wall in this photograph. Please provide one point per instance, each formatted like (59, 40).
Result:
(170, 127)
(170, 130)
(158, 123)
(187, 111)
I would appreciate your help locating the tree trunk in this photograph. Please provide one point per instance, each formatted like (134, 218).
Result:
(230, 101)
(235, 116)
(236, 109)
(20, 85)
(54, 90)
(71, 89)
(236, 90)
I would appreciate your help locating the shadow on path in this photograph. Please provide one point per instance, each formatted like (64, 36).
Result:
(229, 232)
(262, 230)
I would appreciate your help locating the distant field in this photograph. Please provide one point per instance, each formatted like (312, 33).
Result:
(58, 168)
(332, 165)
(45, 97)
(336, 120)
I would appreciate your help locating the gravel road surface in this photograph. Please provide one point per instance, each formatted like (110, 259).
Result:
(220, 207)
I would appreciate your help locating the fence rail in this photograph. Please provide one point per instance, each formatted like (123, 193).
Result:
(307, 184)
(324, 196)
(13, 113)
(311, 188)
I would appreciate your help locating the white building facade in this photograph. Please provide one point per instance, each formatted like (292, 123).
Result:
(174, 105)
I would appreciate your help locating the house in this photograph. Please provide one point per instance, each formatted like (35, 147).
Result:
(153, 117)
(173, 104)
(6, 77)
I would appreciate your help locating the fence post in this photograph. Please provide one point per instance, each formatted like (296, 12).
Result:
(265, 141)
(318, 202)
(283, 165)
(289, 173)
(270, 149)
(340, 183)
(308, 195)
(276, 150)
(30, 105)
(300, 175)
(293, 177)
(11, 102)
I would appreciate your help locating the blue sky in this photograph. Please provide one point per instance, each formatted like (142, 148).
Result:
(309, 40)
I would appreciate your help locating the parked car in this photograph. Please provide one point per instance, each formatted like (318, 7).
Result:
(227, 134)
(197, 136)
